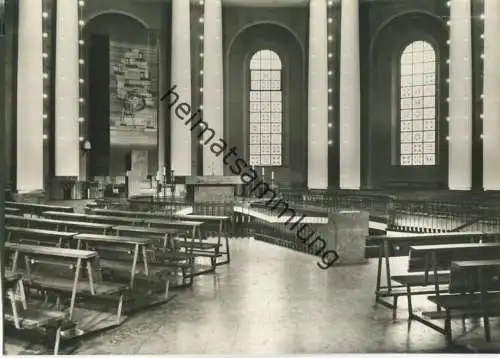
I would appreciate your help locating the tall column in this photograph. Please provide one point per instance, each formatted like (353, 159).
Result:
(317, 148)
(67, 131)
(491, 101)
(460, 125)
(163, 84)
(212, 84)
(181, 78)
(349, 102)
(30, 174)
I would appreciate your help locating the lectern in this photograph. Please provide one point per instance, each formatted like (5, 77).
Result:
(214, 188)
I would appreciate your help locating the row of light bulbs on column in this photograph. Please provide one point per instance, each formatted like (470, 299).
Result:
(448, 42)
(330, 31)
(81, 71)
(202, 38)
(45, 56)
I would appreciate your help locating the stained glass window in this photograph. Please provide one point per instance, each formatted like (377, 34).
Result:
(266, 109)
(418, 105)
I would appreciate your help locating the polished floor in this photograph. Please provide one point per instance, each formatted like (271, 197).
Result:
(270, 300)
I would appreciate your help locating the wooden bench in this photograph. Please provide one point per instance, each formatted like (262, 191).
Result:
(193, 226)
(223, 230)
(65, 267)
(59, 225)
(37, 236)
(37, 209)
(437, 259)
(112, 250)
(13, 211)
(28, 316)
(167, 254)
(165, 235)
(103, 219)
(32, 222)
(474, 292)
(131, 214)
(399, 246)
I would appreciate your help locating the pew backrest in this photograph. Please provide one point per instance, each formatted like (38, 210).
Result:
(399, 246)
(475, 276)
(440, 257)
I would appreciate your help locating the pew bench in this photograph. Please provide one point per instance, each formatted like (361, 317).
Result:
(57, 224)
(130, 213)
(474, 292)
(58, 270)
(166, 253)
(122, 253)
(223, 231)
(399, 246)
(101, 219)
(12, 211)
(38, 236)
(437, 259)
(37, 209)
(166, 236)
(50, 323)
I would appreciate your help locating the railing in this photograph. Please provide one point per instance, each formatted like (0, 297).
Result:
(455, 212)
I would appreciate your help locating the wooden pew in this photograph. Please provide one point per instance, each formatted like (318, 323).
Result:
(12, 211)
(164, 235)
(37, 236)
(193, 226)
(60, 225)
(121, 253)
(131, 213)
(29, 317)
(167, 255)
(222, 223)
(65, 266)
(399, 246)
(437, 259)
(474, 292)
(102, 219)
(32, 222)
(37, 209)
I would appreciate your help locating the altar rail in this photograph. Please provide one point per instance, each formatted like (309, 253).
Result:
(443, 213)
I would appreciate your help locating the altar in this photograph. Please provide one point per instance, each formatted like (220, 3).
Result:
(213, 188)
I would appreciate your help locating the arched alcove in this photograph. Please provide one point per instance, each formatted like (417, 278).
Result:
(108, 35)
(269, 36)
(381, 134)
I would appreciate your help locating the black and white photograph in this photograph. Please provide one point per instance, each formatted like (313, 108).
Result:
(249, 177)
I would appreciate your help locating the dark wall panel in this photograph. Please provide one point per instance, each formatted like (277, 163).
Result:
(285, 30)
(392, 26)
(99, 105)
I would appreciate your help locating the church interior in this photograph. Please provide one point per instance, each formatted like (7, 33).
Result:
(249, 176)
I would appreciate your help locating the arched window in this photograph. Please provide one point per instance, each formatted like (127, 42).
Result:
(266, 109)
(418, 125)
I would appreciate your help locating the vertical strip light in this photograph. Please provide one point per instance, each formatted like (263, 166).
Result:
(82, 88)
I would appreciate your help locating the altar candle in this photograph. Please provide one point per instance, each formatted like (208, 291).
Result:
(165, 171)
(272, 175)
(263, 171)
